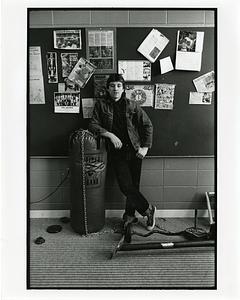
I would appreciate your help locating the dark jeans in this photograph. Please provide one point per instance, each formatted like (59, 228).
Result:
(127, 168)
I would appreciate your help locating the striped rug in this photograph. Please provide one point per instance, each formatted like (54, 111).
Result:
(68, 260)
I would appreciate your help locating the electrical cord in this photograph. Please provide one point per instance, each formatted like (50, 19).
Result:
(91, 168)
(57, 187)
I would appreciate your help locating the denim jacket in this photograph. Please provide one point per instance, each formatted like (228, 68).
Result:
(139, 126)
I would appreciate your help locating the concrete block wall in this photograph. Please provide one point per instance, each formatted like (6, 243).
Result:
(120, 18)
(169, 183)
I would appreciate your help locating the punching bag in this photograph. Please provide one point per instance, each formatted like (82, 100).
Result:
(88, 159)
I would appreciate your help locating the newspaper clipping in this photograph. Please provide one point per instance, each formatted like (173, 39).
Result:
(189, 50)
(153, 45)
(135, 70)
(200, 98)
(164, 96)
(68, 60)
(67, 39)
(205, 83)
(101, 49)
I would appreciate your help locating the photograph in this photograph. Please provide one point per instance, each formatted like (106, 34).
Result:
(120, 150)
(67, 39)
(187, 41)
(118, 172)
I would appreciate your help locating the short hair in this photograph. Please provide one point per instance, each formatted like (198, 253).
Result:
(115, 77)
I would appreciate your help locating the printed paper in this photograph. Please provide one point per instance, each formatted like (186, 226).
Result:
(68, 87)
(166, 65)
(82, 72)
(66, 102)
(143, 94)
(35, 61)
(67, 39)
(200, 98)
(189, 50)
(68, 60)
(36, 90)
(205, 83)
(36, 84)
(101, 49)
(164, 96)
(100, 85)
(52, 67)
(135, 70)
(153, 45)
(87, 107)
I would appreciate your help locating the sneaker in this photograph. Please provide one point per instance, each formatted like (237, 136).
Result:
(151, 218)
(129, 219)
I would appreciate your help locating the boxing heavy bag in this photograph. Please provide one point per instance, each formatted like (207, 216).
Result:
(87, 179)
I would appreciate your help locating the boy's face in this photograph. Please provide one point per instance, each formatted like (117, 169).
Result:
(115, 90)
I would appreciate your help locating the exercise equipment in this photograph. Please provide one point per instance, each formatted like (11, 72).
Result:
(204, 240)
(87, 176)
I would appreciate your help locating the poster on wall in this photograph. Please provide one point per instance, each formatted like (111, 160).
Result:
(189, 50)
(68, 60)
(66, 102)
(135, 70)
(101, 49)
(143, 94)
(36, 85)
(100, 85)
(200, 98)
(82, 72)
(153, 45)
(52, 67)
(67, 39)
(164, 96)
(205, 83)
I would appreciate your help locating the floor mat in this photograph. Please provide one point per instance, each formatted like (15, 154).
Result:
(69, 260)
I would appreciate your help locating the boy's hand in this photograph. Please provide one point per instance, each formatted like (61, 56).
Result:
(142, 152)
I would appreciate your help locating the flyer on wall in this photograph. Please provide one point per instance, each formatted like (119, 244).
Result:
(87, 107)
(164, 96)
(82, 72)
(52, 67)
(100, 85)
(143, 94)
(66, 102)
(36, 83)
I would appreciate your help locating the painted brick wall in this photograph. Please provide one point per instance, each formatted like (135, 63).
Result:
(169, 183)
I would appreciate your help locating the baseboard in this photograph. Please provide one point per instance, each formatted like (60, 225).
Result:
(171, 213)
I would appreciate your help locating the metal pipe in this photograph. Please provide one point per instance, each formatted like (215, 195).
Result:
(165, 245)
